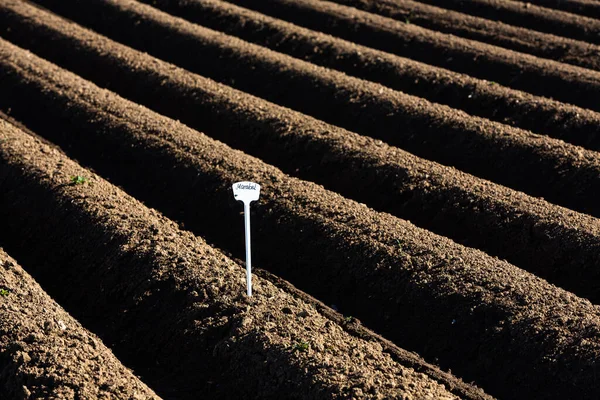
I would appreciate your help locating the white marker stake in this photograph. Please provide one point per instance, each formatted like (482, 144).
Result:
(247, 192)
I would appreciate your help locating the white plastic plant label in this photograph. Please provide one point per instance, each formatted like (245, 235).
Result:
(247, 192)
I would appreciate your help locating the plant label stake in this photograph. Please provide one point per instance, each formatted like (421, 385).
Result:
(247, 192)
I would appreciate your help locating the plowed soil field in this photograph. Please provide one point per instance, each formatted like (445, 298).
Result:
(428, 221)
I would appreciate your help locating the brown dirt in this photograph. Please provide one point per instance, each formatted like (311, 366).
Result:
(544, 45)
(143, 284)
(446, 301)
(540, 237)
(174, 306)
(587, 8)
(563, 82)
(45, 353)
(528, 15)
(540, 166)
(477, 97)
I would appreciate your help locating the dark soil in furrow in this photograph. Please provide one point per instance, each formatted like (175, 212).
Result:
(173, 304)
(46, 354)
(542, 238)
(355, 328)
(543, 45)
(588, 8)
(562, 173)
(528, 15)
(511, 332)
(567, 83)
(477, 97)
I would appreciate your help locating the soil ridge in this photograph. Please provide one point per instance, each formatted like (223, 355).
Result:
(432, 295)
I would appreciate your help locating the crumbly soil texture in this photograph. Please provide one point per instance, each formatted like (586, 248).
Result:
(46, 353)
(416, 217)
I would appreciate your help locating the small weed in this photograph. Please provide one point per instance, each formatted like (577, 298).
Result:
(78, 180)
(349, 318)
(493, 83)
(301, 347)
(4, 292)
(399, 244)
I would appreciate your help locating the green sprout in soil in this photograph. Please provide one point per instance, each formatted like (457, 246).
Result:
(4, 292)
(78, 180)
(399, 244)
(301, 346)
(349, 318)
